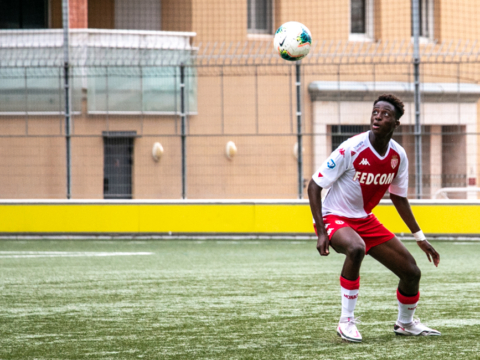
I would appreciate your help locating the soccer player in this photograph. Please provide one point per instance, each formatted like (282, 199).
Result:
(357, 174)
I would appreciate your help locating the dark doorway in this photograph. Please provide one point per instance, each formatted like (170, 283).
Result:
(117, 165)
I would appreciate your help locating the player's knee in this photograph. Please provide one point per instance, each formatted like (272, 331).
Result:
(356, 252)
(417, 273)
(414, 274)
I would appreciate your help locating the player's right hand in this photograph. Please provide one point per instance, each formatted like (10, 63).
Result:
(430, 251)
(322, 244)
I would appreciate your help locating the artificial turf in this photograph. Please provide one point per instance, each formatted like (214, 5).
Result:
(222, 300)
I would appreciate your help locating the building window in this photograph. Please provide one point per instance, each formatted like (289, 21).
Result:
(358, 17)
(138, 14)
(361, 20)
(259, 19)
(35, 89)
(426, 12)
(23, 14)
(117, 164)
(140, 90)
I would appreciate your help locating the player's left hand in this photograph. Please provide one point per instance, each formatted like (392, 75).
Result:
(430, 251)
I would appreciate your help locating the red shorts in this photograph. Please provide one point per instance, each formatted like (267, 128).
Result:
(370, 229)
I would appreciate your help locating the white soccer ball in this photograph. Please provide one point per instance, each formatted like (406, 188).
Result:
(292, 41)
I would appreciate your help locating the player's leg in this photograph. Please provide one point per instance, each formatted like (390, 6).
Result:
(346, 241)
(395, 256)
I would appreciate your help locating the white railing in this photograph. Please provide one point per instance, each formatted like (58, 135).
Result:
(20, 48)
(138, 39)
(444, 191)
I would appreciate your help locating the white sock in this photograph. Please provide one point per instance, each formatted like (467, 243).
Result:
(406, 312)
(349, 291)
(406, 307)
(349, 300)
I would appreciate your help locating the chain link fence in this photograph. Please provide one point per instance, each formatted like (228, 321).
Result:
(172, 114)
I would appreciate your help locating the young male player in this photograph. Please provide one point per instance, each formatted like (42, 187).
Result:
(358, 173)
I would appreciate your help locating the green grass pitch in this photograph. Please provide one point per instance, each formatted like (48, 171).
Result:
(222, 300)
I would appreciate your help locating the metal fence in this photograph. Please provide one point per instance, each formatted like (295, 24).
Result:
(130, 114)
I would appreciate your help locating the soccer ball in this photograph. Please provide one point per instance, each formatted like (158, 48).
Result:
(292, 41)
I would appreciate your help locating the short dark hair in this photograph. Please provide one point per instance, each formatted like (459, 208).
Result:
(395, 101)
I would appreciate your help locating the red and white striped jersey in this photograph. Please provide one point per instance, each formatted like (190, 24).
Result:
(357, 176)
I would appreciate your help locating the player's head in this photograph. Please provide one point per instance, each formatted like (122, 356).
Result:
(393, 100)
(387, 110)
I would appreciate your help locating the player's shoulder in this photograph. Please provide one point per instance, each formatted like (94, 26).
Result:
(398, 148)
(355, 142)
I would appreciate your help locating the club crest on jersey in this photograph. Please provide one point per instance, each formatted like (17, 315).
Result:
(394, 161)
(331, 164)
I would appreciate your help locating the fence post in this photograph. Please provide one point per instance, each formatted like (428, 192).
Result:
(183, 118)
(299, 130)
(67, 89)
(417, 99)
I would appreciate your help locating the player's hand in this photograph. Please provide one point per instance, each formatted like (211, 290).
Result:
(430, 251)
(322, 244)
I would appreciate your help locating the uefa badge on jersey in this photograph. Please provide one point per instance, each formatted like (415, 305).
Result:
(394, 161)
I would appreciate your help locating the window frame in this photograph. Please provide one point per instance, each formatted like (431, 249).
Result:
(427, 21)
(369, 33)
(252, 17)
(22, 12)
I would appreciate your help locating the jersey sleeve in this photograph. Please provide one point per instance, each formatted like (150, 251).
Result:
(399, 185)
(332, 168)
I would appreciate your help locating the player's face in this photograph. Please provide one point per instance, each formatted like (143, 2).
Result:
(383, 121)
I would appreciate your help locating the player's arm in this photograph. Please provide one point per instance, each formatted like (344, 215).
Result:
(314, 196)
(404, 210)
(330, 170)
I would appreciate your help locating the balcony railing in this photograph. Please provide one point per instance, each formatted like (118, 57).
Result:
(94, 47)
(122, 71)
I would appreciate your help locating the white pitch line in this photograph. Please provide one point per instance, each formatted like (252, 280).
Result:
(37, 254)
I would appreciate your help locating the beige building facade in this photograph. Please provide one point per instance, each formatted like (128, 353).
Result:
(126, 84)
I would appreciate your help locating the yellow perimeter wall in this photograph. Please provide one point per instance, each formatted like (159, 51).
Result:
(197, 218)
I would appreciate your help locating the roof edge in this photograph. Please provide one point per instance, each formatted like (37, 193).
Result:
(369, 91)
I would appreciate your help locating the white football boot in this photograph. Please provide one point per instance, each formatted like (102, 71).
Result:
(415, 328)
(347, 329)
